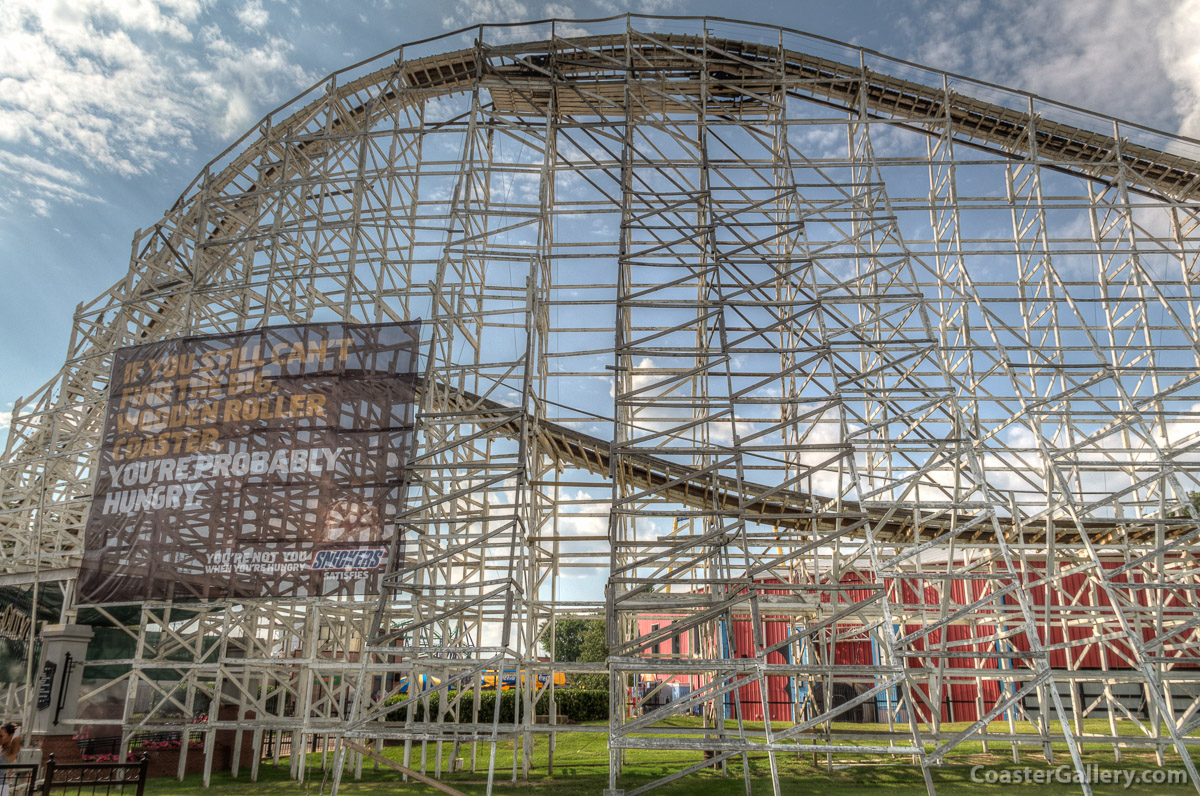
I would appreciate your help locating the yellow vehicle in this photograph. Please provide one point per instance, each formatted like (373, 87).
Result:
(508, 679)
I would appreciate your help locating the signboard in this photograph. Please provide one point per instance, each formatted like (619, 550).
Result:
(18, 623)
(15, 625)
(261, 464)
(46, 685)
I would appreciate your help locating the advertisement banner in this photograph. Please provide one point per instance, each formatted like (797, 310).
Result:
(260, 464)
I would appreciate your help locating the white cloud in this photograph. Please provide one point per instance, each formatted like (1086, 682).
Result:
(641, 6)
(1178, 33)
(253, 15)
(237, 75)
(559, 10)
(5, 419)
(478, 12)
(43, 182)
(580, 519)
(1075, 53)
(563, 11)
(475, 12)
(90, 87)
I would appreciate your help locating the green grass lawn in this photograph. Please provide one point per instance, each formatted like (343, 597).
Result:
(581, 767)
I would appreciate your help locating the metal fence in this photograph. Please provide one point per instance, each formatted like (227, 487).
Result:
(111, 744)
(75, 779)
(284, 739)
(95, 779)
(17, 780)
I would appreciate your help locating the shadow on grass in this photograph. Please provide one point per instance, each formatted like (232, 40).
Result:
(795, 778)
(581, 767)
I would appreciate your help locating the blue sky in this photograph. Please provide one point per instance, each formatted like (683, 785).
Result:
(108, 108)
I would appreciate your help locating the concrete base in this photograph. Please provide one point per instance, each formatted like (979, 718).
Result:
(57, 642)
(29, 757)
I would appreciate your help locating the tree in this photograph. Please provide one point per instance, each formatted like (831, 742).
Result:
(580, 640)
(594, 649)
(1181, 513)
(568, 638)
(594, 646)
